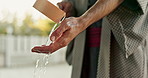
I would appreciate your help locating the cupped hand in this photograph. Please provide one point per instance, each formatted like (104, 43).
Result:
(62, 36)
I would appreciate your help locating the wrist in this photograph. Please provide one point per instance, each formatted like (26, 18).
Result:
(85, 20)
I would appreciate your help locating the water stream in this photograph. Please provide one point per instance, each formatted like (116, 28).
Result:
(40, 68)
(42, 62)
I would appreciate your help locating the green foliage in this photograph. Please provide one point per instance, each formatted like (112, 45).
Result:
(28, 26)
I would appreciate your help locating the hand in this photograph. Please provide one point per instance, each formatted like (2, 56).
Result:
(67, 7)
(62, 36)
(72, 26)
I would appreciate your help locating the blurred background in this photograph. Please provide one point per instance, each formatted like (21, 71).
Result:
(21, 28)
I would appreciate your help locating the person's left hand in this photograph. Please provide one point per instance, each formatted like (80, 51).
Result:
(67, 7)
(62, 36)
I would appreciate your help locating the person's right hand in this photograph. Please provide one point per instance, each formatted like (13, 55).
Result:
(67, 7)
(61, 37)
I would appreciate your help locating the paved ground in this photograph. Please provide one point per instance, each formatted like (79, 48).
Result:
(53, 71)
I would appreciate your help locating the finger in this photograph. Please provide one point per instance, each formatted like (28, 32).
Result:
(41, 49)
(60, 5)
(67, 7)
(68, 14)
(43, 45)
(59, 31)
(62, 41)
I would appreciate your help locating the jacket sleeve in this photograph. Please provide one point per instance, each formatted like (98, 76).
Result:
(69, 52)
(130, 28)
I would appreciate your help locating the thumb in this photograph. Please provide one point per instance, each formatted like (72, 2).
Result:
(60, 6)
